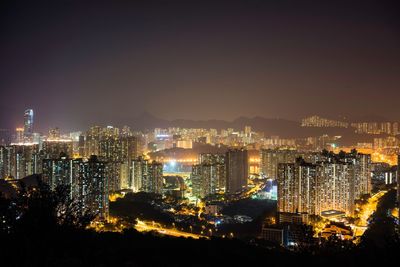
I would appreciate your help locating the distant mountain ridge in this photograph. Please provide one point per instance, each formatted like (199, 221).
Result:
(371, 118)
(364, 118)
(284, 128)
(149, 121)
(271, 127)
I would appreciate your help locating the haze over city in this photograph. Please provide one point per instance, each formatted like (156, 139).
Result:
(77, 63)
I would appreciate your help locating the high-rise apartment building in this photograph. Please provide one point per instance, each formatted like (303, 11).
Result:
(138, 171)
(297, 185)
(28, 123)
(270, 158)
(153, 181)
(108, 144)
(146, 176)
(332, 183)
(53, 148)
(18, 161)
(236, 170)
(59, 171)
(87, 180)
(363, 172)
(209, 176)
(336, 187)
(92, 141)
(316, 121)
(19, 136)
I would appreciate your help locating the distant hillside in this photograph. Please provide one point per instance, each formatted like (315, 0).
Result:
(370, 118)
(271, 127)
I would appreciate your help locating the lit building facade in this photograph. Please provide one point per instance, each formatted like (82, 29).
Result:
(363, 172)
(87, 180)
(209, 176)
(336, 187)
(53, 148)
(270, 158)
(19, 161)
(236, 170)
(28, 124)
(334, 183)
(146, 176)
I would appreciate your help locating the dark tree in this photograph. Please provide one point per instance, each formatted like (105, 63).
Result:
(39, 209)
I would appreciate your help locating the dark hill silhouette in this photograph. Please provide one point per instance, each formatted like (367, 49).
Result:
(270, 126)
(370, 118)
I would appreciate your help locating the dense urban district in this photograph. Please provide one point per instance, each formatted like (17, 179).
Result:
(194, 196)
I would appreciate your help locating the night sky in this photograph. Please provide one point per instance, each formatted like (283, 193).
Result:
(79, 63)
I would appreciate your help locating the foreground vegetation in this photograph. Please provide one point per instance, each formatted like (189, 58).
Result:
(34, 232)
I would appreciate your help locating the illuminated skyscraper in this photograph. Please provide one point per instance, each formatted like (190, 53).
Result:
(138, 170)
(52, 149)
(92, 141)
(28, 123)
(336, 187)
(154, 180)
(93, 185)
(81, 146)
(204, 179)
(86, 179)
(18, 161)
(287, 188)
(146, 176)
(314, 188)
(236, 170)
(297, 187)
(209, 176)
(19, 135)
(362, 169)
(58, 171)
(109, 144)
(270, 158)
(124, 175)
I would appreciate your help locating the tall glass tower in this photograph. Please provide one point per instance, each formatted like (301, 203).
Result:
(28, 123)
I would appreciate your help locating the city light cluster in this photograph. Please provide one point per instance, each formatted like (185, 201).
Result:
(204, 170)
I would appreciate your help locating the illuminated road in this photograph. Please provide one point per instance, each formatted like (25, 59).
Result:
(143, 226)
(253, 190)
(366, 212)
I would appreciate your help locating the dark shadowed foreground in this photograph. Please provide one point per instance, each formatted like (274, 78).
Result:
(41, 228)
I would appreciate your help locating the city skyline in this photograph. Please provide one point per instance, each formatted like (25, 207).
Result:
(209, 168)
(147, 121)
(199, 133)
